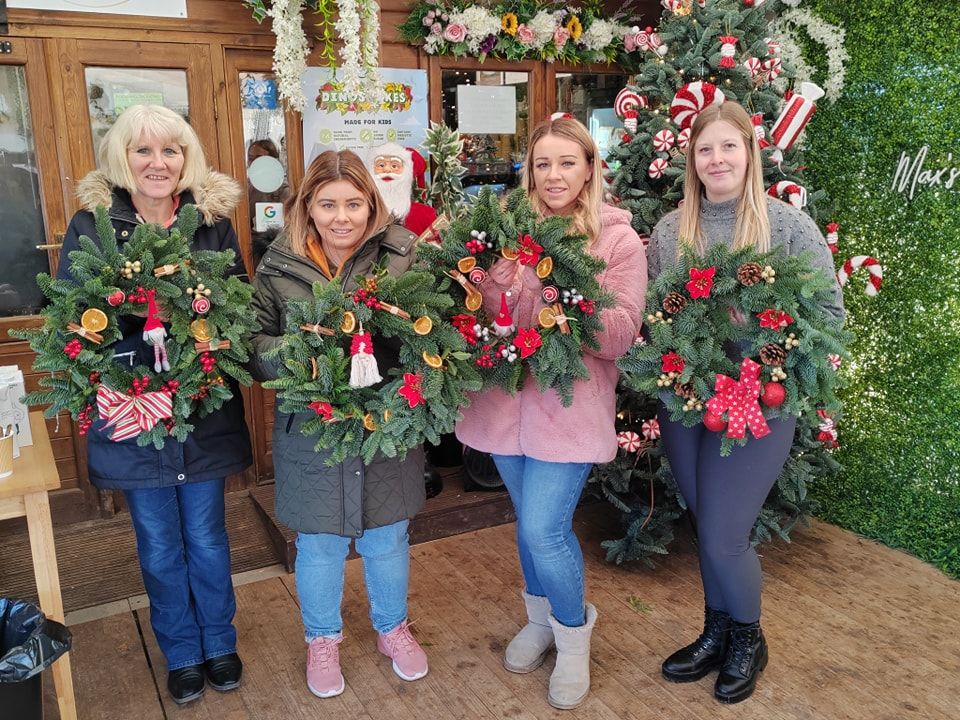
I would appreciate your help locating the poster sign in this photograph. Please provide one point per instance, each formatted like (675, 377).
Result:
(122, 99)
(151, 8)
(487, 109)
(267, 215)
(334, 121)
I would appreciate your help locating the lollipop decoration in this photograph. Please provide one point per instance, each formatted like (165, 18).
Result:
(691, 99)
(627, 106)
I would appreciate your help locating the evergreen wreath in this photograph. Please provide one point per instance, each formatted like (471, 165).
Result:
(327, 366)
(202, 343)
(572, 298)
(790, 346)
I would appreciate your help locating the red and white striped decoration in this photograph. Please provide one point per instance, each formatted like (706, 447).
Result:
(683, 138)
(795, 194)
(657, 168)
(794, 117)
(758, 130)
(871, 265)
(629, 440)
(131, 415)
(630, 120)
(772, 67)
(691, 99)
(833, 236)
(663, 141)
(627, 99)
(728, 48)
(477, 275)
(835, 361)
(773, 46)
(650, 429)
(754, 66)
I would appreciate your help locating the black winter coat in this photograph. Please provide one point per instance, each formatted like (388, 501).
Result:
(220, 444)
(311, 496)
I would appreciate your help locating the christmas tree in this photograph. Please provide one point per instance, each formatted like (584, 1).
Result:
(704, 51)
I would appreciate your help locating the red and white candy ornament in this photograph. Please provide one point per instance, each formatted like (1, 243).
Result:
(650, 429)
(833, 236)
(691, 99)
(868, 263)
(663, 141)
(728, 48)
(629, 440)
(795, 194)
(657, 168)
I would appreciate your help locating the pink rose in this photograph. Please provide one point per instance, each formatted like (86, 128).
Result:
(455, 32)
(560, 36)
(436, 28)
(525, 35)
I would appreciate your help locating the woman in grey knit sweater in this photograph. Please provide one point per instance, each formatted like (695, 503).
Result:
(725, 202)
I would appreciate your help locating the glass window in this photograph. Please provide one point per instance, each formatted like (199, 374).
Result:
(21, 213)
(589, 98)
(265, 140)
(110, 91)
(490, 108)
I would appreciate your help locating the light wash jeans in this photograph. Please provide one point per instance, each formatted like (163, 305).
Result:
(386, 571)
(185, 560)
(544, 496)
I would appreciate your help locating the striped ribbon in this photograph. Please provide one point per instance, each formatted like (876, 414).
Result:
(131, 415)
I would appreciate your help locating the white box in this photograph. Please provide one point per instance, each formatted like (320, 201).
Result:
(12, 408)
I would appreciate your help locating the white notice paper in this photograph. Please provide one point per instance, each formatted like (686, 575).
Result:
(487, 109)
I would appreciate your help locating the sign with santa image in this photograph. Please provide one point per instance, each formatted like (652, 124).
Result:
(333, 120)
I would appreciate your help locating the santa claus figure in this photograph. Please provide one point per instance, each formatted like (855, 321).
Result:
(394, 169)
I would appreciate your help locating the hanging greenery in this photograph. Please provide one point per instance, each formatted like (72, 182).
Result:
(444, 147)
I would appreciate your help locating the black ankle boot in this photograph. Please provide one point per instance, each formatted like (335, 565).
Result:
(185, 684)
(705, 654)
(746, 657)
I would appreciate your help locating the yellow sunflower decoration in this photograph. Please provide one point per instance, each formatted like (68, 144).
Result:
(574, 28)
(509, 23)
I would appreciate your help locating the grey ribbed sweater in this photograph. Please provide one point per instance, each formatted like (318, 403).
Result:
(790, 228)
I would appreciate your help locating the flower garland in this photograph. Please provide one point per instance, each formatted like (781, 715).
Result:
(143, 395)
(290, 52)
(770, 306)
(328, 367)
(831, 37)
(359, 29)
(571, 296)
(539, 30)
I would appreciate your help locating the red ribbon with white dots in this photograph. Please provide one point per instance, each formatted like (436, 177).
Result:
(739, 398)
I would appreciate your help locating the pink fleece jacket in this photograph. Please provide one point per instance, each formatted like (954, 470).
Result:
(534, 423)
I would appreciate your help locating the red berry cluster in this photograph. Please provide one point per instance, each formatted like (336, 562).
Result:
(207, 362)
(94, 377)
(84, 421)
(476, 246)
(171, 386)
(169, 424)
(365, 297)
(586, 307)
(139, 386)
(487, 359)
(205, 389)
(138, 296)
(73, 348)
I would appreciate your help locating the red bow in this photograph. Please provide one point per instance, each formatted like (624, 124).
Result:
(739, 399)
(132, 414)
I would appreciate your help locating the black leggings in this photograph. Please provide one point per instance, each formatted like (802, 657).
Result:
(725, 495)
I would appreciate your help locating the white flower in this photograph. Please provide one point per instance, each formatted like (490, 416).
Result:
(600, 34)
(480, 24)
(290, 53)
(543, 25)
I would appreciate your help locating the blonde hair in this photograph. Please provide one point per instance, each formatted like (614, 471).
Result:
(328, 167)
(159, 123)
(586, 212)
(753, 224)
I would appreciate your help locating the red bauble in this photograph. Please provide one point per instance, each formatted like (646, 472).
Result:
(116, 298)
(714, 422)
(773, 394)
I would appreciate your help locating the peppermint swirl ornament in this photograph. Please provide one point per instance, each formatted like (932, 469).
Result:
(691, 99)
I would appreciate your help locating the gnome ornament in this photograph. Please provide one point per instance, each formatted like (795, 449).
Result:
(394, 169)
(154, 333)
(503, 324)
(363, 365)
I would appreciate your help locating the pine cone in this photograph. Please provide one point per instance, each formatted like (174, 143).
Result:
(749, 274)
(685, 390)
(674, 302)
(773, 354)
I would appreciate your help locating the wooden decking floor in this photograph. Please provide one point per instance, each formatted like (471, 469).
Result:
(857, 632)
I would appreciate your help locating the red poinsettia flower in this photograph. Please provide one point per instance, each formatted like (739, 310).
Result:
(464, 324)
(527, 340)
(700, 282)
(672, 363)
(774, 319)
(529, 251)
(323, 409)
(412, 389)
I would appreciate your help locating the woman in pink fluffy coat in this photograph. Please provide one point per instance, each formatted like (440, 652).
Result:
(543, 450)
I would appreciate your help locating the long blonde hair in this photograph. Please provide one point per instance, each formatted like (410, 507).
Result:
(330, 166)
(586, 213)
(753, 224)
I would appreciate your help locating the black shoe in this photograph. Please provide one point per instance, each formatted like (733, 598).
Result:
(433, 483)
(185, 684)
(704, 654)
(746, 657)
(223, 672)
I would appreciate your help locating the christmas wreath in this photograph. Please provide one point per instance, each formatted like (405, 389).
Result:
(201, 342)
(765, 310)
(572, 298)
(328, 366)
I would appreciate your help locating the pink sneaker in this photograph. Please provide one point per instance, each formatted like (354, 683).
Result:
(323, 666)
(409, 659)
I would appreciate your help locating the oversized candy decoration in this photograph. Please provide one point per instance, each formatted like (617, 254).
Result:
(627, 99)
(629, 441)
(757, 121)
(691, 99)
(871, 265)
(833, 236)
(795, 194)
(630, 120)
(754, 66)
(683, 138)
(657, 168)
(794, 117)
(772, 67)
(650, 429)
(663, 141)
(728, 48)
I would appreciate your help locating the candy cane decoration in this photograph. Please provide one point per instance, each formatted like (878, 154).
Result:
(833, 236)
(728, 48)
(871, 265)
(796, 194)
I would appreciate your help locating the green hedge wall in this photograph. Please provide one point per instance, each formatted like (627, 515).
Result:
(900, 435)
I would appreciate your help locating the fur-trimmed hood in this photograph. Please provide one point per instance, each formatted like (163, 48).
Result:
(215, 196)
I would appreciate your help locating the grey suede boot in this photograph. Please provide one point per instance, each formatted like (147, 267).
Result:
(570, 681)
(529, 647)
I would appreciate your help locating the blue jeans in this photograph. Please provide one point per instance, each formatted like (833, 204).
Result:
(386, 570)
(185, 560)
(544, 496)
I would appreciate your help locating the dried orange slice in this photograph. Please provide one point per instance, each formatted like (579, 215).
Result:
(387, 415)
(434, 361)
(466, 264)
(545, 267)
(200, 330)
(422, 325)
(509, 254)
(349, 322)
(94, 320)
(473, 301)
(547, 317)
(368, 422)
